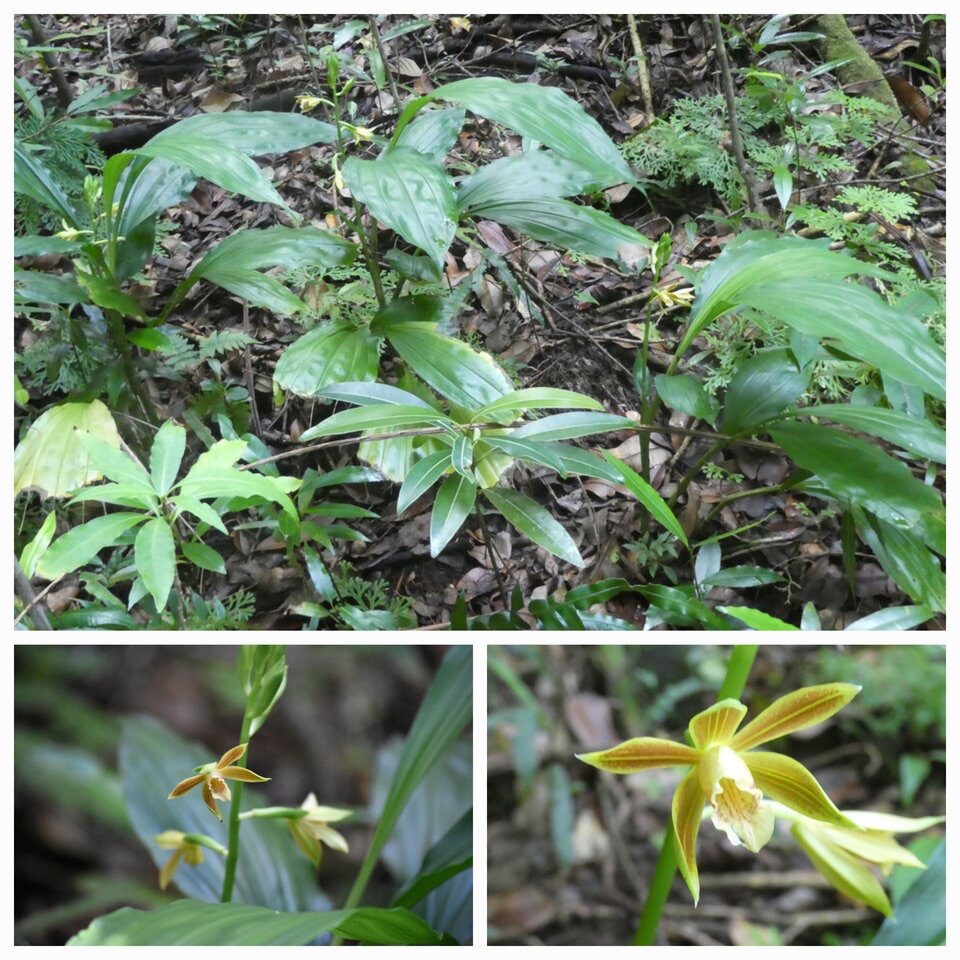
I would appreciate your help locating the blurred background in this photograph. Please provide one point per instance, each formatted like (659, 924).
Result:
(335, 731)
(571, 851)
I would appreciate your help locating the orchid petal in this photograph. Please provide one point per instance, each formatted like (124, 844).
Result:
(332, 838)
(209, 800)
(232, 755)
(241, 773)
(890, 822)
(716, 724)
(169, 839)
(641, 753)
(843, 870)
(687, 812)
(218, 787)
(184, 785)
(309, 845)
(795, 711)
(738, 807)
(784, 779)
(875, 846)
(170, 867)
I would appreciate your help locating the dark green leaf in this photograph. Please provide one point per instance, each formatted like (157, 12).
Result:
(535, 522)
(452, 853)
(646, 495)
(920, 918)
(569, 426)
(333, 352)
(761, 388)
(452, 506)
(686, 393)
(422, 476)
(410, 194)
(434, 133)
(204, 557)
(32, 179)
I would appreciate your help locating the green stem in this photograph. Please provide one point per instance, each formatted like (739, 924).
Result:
(233, 832)
(738, 669)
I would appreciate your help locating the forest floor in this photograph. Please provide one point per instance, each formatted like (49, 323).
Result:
(574, 322)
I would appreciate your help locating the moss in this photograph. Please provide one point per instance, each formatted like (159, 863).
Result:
(841, 44)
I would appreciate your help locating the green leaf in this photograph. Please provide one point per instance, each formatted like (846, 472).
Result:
(655, 504)
(532, 450)
(893, 618)
(254, 133)
(762, 386)
(31, 286)
(166, 455)
(783, 185)
(858, 472)
(679, 606)
(920, 918)
(237, 483)
(444, 713)
(569, 426)
(569, 226)
(410, 194)
(452, 506)
(740, 577)
(155, 555)
(37, 246)
(38, 545)
(534, 398)
(561, 814)
(920, 437)
(915, 570)
(461, 456)
(146, 186)
(234, 263)
(434, 133)
(51, 458)
(202, 556)
(757, 619)
(450, 855)
(81, 544)
(202, 511)
(536, 523)
(137, 495)
(544, 114)
(188, 923)
(579, 461)
(333, 352)
(32, 179)
(860, 322)
(114, 463)
(392, 416)
(686, 393)
(422, 476)
(537, 175)
(464, 376)
(104, 293)
(367, 394)
(759, 257)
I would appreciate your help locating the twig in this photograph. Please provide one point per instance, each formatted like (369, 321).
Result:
(36, 600)
(30, 598)
(643, 71)
(735, 142)
(394, 92)
(64, 90)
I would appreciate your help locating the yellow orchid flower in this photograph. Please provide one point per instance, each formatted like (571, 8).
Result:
(729, 775)
(186, 847)
(214, 776)
(844, 855)
(312, 830)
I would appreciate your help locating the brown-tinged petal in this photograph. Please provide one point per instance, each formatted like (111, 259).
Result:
(641, 753)
(795, 711)
(716, 724)
(738, 807)
(241, 773)
(232, 755)
(688, 804)
(184, 785)
(844, 871)
(209, 800)
(784, 779)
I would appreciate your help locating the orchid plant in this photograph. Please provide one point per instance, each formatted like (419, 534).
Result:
(744, 791)
(261, 885)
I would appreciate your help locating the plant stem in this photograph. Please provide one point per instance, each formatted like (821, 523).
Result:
(736, 143)
(388, 73)
(738, 669)
(233, 831)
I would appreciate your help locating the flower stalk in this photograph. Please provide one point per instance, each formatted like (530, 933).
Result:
(233, 830)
